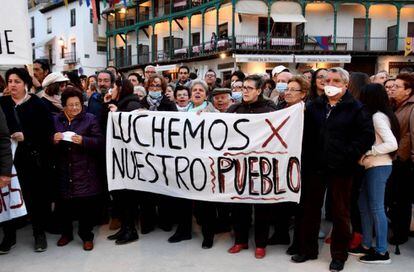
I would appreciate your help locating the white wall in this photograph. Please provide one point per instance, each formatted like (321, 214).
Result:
(81, 33)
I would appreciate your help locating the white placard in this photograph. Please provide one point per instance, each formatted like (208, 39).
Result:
(223, 157)
(15, 47)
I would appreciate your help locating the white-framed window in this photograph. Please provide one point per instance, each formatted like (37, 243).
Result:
(73, 17)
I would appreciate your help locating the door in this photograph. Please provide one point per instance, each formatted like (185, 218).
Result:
(154, 45)
(410, 29)
(359, 34)
(300, 35)
(392, 38)
(143, 54)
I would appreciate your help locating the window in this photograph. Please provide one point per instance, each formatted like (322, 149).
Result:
(72, 17)
(49, 25)
(33, 51)
(195, 38)
(32, 28)
(101, 44)
(223, 31)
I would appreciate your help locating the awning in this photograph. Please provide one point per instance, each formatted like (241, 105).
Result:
(44, 42)
(287, 12)
(254, 7)
(263, 58)
(323, 58)
(161, 68)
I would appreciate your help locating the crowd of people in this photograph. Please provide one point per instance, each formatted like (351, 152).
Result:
(357, 158)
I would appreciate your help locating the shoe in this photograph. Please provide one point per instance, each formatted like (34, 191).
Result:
(397, 240)
(237, 248)
(278, 240)
(64, 240)
(115, 224)
(87, 245)
(336, 265)
(376, 258)
(165, 227)
(292, 250)
(361, 251)
(6, 245)
(116, 235)
(260, 252)
(178, 237)
(146, 230)
(207, 243)
(356, 240)
(40, 244)
(127, 237)
(301, 258)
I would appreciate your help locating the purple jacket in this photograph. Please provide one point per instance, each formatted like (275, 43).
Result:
(77, 165)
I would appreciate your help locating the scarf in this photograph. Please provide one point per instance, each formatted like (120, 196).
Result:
(191, 107)
(154, 103)
(55, 100)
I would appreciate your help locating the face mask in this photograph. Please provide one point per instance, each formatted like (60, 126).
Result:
(332, 90)
(281, 87)
(155, 94)
(237, 96)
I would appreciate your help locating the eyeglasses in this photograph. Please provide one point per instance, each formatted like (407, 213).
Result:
(210, 75)
(293, 90)
(155, 86)
(76, 105)
(248, 88)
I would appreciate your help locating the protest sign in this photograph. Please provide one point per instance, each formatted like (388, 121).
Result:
(15, 47)
(243, 158)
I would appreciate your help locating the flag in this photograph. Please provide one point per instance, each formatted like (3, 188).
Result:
(104, 3)
(125, 3)
(88, 3)
(409, 48)
(322, 41)
(80, 2)
(94, 11)
(33, 3)
(66, 3)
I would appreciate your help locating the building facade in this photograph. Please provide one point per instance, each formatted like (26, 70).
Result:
(67, 37)
(256, 35)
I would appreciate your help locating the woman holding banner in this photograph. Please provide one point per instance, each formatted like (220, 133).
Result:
(205, 211)
(31, 125)
(252, 102)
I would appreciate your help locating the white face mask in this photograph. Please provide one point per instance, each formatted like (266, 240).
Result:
(281, 87)
(237, 96)
(332, 90)
(155, 94)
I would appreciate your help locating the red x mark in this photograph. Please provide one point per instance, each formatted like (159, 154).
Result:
(275, 133)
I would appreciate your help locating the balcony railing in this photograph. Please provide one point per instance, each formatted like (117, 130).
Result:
(70, 58)
(261, 44)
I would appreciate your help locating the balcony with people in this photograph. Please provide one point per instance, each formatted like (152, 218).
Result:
(255, 26)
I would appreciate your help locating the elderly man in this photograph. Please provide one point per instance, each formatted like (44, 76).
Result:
(221, 98)
(381, 77)
(337, 132)
(282, 79)
(401, 184)
(149, 71)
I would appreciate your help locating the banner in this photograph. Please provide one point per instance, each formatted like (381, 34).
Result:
(15, 47)
(11, 197)
(221, 157)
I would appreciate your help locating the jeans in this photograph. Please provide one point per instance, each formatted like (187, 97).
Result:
(371, 205)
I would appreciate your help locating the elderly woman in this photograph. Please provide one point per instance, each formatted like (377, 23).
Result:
(298, 88)
(30, 124)
(206, 210)
(182, 97)
(53, 85)
(77, 139)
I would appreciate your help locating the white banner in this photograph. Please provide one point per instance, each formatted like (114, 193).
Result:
(11, 197)
(223, 157)
(15, 47)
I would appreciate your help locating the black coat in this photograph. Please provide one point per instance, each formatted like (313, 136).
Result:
(165, 105)
(260, 106)
(129, 103)
(335, 141)
(6, 160)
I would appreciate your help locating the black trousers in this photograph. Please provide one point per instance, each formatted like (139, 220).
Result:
(281, 214)
(313, 191)
(183, 211)
(242, 218)
(127, 201)
(399, 196)
(84, 209)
